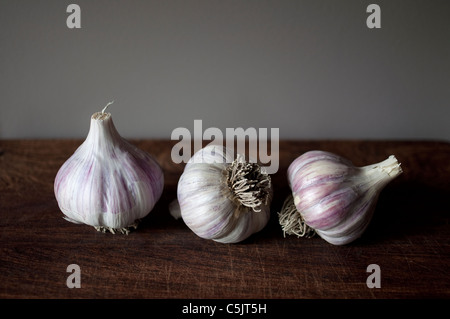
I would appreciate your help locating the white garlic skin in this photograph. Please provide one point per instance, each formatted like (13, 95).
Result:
(205, 200)
(108, 182)
(334, 197)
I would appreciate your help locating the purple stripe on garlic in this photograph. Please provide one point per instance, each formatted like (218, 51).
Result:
(332, 197)
(108, 183)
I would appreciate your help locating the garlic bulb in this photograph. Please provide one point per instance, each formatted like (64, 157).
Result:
(332, 197)
(108, 183)
(222, 198)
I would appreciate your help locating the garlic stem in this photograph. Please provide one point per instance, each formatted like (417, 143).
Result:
(248, 184)
(380, 174)
(104, 109)
(390, 166)
(100, 116)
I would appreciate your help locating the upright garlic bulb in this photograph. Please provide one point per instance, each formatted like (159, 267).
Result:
(223, 199)
(332, 197)
(108, 183)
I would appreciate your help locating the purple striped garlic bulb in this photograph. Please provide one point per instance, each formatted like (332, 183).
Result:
(108, 183)
(223, 198)
(332, 197)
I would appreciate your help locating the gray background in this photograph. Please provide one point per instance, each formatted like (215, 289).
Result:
(310, 68)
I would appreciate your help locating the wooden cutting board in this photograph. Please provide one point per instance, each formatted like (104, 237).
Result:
(408, 237)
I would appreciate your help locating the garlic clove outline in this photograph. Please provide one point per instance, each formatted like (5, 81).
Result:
(221, 198)
(333, 198)
(108, 183)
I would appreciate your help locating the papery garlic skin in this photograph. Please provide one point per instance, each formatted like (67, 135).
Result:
(108, 183)
(207, 204)
(334, 197)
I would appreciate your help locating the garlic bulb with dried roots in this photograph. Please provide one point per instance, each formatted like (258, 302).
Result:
(332, 197)
(222, 198)
(108, 183)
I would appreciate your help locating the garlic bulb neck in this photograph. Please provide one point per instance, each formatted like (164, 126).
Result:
(380, 174)
(102, 131)
(249, 185)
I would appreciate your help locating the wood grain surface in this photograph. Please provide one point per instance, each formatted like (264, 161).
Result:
(408, 236)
